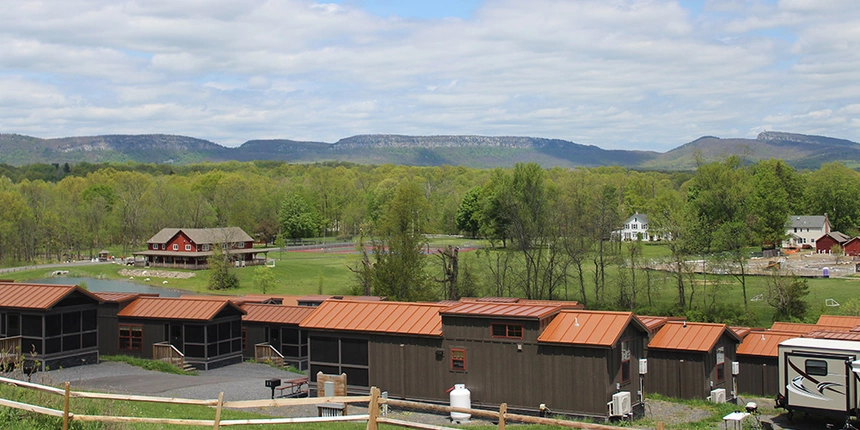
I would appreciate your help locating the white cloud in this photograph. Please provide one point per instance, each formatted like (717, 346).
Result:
(618, 73)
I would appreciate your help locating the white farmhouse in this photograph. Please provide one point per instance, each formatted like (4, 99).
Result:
(634, 228)
(802, 230)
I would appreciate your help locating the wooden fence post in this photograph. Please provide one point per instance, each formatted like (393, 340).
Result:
(66, 407)
(503, 409)
(660, 425)
(373, 409)
(218, 411)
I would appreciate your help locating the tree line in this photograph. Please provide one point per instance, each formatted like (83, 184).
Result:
(551, 228)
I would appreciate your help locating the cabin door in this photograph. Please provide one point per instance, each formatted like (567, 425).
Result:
(176, 336)
(273, 336)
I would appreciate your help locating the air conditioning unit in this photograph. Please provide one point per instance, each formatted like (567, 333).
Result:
(718, 395)
(643, 366)
(620, 404)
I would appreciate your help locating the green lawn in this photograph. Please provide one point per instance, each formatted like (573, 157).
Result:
(299, 273)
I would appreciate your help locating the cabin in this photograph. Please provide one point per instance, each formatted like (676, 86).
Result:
(803, 328)
(825, 244)
(48, 326)
(597, 348)
(758, 361)
(271, 332)
(493, 348)
(203, 333)
(395, 346)
(108, 321)
(803, 230)
(688, 360)
(190, 248)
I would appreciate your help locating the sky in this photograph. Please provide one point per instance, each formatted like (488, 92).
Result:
(618, 74)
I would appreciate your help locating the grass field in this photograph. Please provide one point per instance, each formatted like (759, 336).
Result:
(299, 273)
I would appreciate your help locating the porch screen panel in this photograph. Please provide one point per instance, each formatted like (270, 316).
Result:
(324, 349)
(31, 325)
(354, 351)
(53, 325)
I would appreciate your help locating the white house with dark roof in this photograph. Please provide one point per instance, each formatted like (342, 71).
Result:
(635, 228)
(803, 230)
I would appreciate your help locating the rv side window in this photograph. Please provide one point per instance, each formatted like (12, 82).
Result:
(816, 367)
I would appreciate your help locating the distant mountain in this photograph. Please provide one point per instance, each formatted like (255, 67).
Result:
(802, 151)
(799, 150)
(16, 149)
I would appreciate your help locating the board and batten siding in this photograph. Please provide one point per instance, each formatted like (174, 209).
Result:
(408, 366)
(689, 374)
(758, 375)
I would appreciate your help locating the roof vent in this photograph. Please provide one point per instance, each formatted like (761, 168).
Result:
(685, 324)
(576, 321)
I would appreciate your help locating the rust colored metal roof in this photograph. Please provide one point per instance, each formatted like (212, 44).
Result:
(23, 295)
(490, 299)
(377, 317)
(741, 332)
(563, 303)
(653, 323)
(112, 297)
(236, 300)
(764, 343)
(840, 335)
(176, 308)
(689, 336)
(839, 320)
(276, 314)
(285, 300)
(593, 328)
(804, 328)
(502, 310)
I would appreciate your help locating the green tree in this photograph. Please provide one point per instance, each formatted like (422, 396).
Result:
(264, 278)
(398, 250)
(787, 296)
(833, 190)
(221, 276)
(732, 238)
(769, 202)
(468, 215)
(297, 218)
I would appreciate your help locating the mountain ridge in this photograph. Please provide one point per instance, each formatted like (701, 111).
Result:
(799, 150)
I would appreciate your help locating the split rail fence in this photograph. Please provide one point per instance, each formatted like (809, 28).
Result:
(373, 418)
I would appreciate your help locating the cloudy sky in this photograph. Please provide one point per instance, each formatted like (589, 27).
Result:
(613, 73)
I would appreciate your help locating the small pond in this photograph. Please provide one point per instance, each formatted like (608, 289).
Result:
(112, 285)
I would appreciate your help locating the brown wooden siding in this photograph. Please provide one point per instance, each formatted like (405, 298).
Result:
(108, 329)
(457, 327)
(689, 375)
(758, 376)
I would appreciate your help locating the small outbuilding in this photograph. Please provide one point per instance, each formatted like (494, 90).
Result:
(48, 326)
(826, 243)
(690, 359)
(758, 360)
(597, 351)
(205, 333)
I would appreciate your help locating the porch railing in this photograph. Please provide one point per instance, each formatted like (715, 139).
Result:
(266, 352)
(164, 351)
(10, 347)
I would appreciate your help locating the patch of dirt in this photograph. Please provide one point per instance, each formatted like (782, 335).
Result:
(150, 273)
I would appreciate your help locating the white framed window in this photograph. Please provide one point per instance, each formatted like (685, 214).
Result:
(205, 247)
(187, 247)
(176, 247)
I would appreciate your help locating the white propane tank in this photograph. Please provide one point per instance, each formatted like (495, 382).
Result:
(461, 397)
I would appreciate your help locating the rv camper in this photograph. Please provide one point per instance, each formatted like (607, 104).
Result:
(819, 375)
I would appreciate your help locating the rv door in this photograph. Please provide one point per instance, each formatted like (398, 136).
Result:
(820, 381)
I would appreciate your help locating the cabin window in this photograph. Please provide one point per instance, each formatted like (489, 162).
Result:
(508, 331)
(176, 247)
(458, 359)
(131, 337)
(625, 361)
(206, 247)
(816, 367)
(187, 247)
(721, 363)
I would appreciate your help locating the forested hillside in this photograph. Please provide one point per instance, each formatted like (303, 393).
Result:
(797, 150)
(556, 225)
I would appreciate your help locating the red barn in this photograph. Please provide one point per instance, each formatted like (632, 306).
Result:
(189, 248)
(825, 243)
(852, 247)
